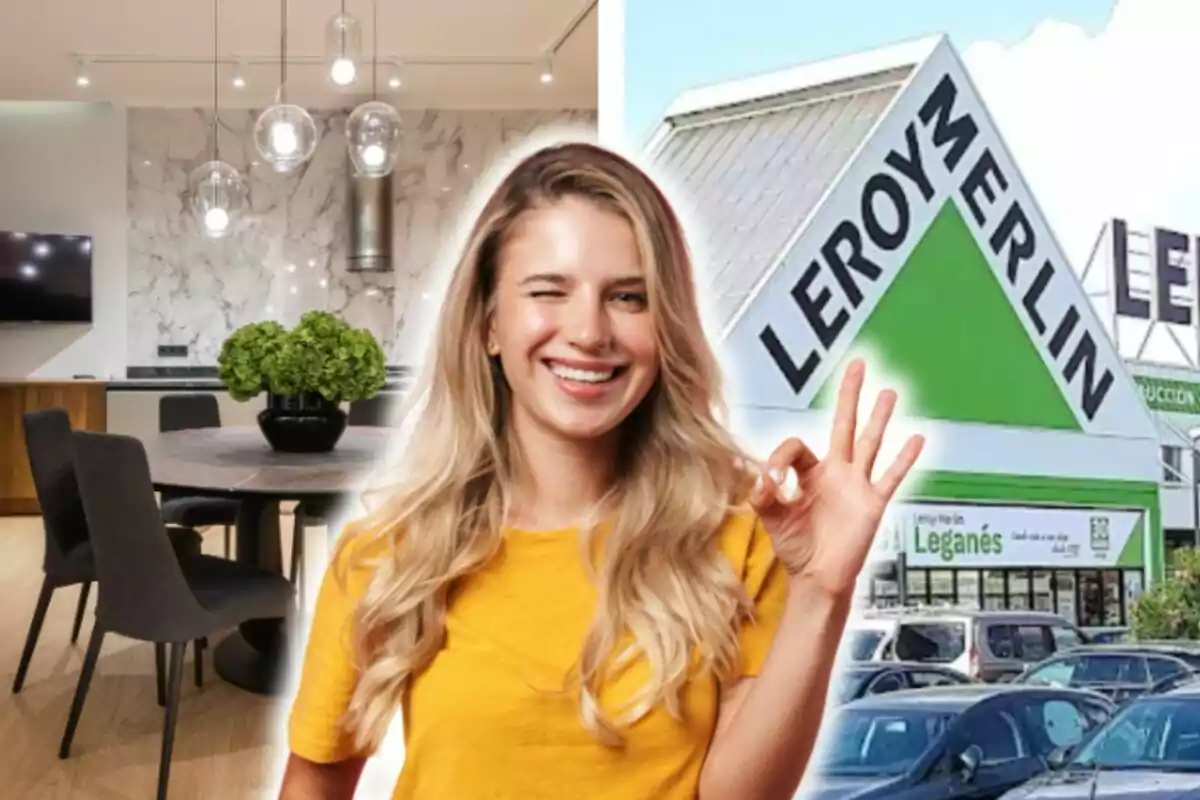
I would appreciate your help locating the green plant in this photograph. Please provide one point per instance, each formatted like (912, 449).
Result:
(322, 354)
(246, 356)
(1171, 609)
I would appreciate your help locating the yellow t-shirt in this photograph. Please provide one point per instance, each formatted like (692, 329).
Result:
(489, 718)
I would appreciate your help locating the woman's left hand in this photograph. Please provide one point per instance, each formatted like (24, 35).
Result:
(823, 533)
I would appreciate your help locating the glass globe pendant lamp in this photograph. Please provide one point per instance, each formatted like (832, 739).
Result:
(373, 129)
(218, 193)
(285, 135)
(373, 136)
(218, 198)
(343, 47)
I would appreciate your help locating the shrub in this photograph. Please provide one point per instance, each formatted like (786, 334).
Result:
(322, 354)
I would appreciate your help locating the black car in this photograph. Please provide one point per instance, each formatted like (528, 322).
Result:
(1120, 672)
(862, 679)
(1149, 750)
(969, 741)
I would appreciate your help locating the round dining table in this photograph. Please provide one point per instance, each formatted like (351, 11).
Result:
(237, 462)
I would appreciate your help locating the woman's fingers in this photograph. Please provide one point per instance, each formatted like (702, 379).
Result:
(845, 419)
(866, 449)
(895, 474)
(790, 460)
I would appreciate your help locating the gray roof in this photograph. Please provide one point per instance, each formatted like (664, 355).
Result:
(750, 177)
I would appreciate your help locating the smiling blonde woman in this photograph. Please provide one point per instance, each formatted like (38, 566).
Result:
(580, 586)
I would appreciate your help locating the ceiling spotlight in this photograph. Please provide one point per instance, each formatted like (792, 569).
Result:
(41, 249)
(548, 71)
(239, 77)
(82, 80)
(29, 271)
(394, 82)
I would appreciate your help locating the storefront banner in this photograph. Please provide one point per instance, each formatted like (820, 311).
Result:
(987, 536)
(1172, 396)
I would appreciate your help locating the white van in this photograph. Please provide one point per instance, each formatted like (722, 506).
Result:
(984, 645)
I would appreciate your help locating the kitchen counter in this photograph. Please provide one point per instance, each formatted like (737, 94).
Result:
(133, 401)
(203, 384)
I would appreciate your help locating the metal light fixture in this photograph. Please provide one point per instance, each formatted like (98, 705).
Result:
(285, 134)
(218, 191)
(82, 79)
(373, 129)
(548, 70)
(343, 47)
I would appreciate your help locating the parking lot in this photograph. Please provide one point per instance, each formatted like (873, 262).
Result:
(933, 703)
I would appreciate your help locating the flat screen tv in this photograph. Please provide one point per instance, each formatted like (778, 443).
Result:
(45, 277)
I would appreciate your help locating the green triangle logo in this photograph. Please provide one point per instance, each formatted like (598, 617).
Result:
(947, 327)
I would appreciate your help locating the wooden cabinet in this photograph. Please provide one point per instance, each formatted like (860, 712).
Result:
(84, 401)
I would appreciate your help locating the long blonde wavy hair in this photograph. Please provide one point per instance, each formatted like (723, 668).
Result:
(665, 591)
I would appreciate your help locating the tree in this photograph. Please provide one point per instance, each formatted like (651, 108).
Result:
(1171, 609)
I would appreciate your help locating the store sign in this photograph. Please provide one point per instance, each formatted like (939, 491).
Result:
(1162, 394)
(943, 150)
(1170, 250)
(983, 536)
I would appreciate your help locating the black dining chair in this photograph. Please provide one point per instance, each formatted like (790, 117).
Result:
(178, 412)
(145, 593)
(69, 558)
(372, 411)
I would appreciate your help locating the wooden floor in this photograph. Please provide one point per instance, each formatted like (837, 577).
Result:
(228, 743)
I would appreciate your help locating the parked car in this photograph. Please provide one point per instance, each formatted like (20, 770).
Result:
(1108, 635)
(974, 740)
(984, 645)
(866, 638)
(880, 677)
(1119, 672)
(1182, 649)
(1174, 682)
(1150, 749)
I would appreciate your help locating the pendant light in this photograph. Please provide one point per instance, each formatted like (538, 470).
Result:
(285, 135)
(373, 129)
(343, 47)
(218, 191)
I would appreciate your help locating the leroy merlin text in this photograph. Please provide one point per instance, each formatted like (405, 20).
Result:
(943, 153)
(949, 544)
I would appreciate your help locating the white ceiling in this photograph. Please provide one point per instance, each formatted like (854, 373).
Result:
(39, 39)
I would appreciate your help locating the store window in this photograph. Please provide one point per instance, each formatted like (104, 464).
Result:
(941, 587)
(994, 594)
(918, 586)
(1043, 591)
(1114, 599)
(1065, 589)
(968, 588)
(1172, 461)
(1019, 590)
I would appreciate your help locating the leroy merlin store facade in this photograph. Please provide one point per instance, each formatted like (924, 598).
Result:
(868, 205)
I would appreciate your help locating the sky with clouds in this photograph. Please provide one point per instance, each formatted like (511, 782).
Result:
(1094, 98)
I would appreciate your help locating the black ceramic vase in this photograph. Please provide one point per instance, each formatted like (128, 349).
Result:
(305, 423)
